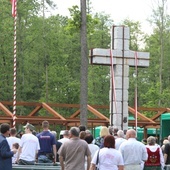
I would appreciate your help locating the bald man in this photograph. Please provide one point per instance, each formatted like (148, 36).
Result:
(134, 152)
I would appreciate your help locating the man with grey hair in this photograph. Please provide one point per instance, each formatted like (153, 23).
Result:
(73, 152)
(169, 138)
(113, 131)
(155, 157)
(120, 139)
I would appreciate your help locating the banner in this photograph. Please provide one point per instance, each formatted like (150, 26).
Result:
(13, 2)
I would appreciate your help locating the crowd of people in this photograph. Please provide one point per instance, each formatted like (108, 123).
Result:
(78, 150)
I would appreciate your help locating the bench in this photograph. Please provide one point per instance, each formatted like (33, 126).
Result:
(42, 166)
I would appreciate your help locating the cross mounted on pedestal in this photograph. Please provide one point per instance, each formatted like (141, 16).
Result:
(123, 58)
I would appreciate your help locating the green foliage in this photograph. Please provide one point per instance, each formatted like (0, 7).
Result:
(6, 51)
(75, 20)
(49, 58)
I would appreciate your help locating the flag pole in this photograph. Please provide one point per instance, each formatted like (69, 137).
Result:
(14, 14)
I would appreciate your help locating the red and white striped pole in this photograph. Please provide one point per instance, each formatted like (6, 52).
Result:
(136, 92)
(14, 14)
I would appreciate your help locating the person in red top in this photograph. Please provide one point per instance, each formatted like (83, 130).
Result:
(155, 157)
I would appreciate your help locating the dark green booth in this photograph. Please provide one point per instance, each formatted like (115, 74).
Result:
(165, 125)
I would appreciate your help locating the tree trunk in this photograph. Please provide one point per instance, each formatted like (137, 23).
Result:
(84, 66)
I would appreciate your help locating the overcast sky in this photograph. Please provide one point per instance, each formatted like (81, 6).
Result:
(136, 10)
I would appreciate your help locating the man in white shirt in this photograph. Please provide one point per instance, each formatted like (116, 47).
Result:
(11, 140)
(93, 148)
(133, 151)
(29, 147)
(120, 139)
(65, 137)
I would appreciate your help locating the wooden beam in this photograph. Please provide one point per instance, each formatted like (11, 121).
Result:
(18, 103)
(157, 115)
(63, 105)
(132, 110)
(100, 106)
(51, 119)
(151, 109)
(145, 132)
(152, 126)
(142, 123)
(75, 114)
(54, 119)
(5, 110)
(5, 121)
(91, 109)
(97, 113)
(52, 111)
(35, 111)
(88, 124)
(38, 120)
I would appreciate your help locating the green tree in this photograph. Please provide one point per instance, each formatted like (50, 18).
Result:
(158, 44)
(6, 51)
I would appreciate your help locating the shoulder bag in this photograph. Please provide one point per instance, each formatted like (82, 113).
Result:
(97, 161)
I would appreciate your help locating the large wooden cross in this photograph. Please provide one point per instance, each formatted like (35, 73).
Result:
(122, 58)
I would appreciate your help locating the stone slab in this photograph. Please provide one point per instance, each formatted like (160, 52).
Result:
(119, 44)
(118, 53)
(121, 32)
(119, 81)
(119, 95)
(118, 70)
(117, 121)
(106, 61)
(118, 105)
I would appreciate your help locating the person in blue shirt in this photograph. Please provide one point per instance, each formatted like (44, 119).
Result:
(5, 153)
(47, 152)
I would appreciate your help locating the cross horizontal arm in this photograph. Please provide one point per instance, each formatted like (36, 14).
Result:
(100, 56)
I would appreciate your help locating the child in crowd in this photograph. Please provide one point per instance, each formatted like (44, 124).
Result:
(14, 158)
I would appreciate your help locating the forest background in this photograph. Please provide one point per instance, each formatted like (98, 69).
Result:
(49, 57)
